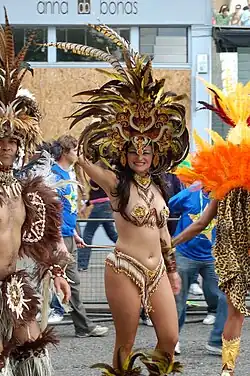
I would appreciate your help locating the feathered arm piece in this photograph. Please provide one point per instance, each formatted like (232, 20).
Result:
(41, 230)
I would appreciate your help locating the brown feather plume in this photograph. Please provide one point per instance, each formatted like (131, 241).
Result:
(16, 118)
(130, 107)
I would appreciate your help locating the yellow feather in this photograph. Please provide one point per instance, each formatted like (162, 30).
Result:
(239, 134)
(216, 138)
(200, 143)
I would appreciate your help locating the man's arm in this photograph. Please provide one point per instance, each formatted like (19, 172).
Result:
(41, 232)
(198, 226)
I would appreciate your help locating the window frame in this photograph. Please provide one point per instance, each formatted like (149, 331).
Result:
(173, 65)
(30, 27)
(134, 40)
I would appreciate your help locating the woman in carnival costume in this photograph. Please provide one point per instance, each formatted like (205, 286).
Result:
(142, 130)
(29, 225)
(223, 170)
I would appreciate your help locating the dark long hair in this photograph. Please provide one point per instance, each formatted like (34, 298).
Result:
(125, 178)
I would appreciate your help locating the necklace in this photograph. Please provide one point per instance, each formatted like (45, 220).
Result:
(143, 184)
(143, 181)
(9, 185)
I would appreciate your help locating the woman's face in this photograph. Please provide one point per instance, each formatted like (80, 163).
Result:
(140, 163)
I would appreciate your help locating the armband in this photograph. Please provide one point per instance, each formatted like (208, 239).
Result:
(57, 271)
(170, 262)
(168, 254)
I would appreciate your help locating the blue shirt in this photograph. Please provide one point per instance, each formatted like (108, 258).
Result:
(68, 198)
(245, 18)
(190, 203)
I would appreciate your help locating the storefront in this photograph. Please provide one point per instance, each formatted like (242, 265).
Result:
(230, 49)
(177, 34)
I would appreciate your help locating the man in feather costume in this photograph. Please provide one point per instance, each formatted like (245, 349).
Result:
(29, 225)
(223, 169)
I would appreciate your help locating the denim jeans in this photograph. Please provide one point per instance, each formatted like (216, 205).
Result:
(187, 269)
(99, 211)
(215, 338)
(56, 305)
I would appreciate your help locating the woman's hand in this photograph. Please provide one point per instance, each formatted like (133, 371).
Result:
(175, 282)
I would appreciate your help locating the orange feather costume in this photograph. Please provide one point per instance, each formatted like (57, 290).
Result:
(223, 168)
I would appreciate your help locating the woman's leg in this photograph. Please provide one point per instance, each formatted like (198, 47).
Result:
(231, 337)
(164, 316)
(210, 286)
(110, 231)
(109, 226)
(124, 302)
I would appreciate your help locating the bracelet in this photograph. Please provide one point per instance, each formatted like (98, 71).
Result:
(57, 271)
(169, 259)
(168, 253)
(170, 263)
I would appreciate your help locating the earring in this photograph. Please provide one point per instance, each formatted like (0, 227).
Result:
(156, 159)
(123, 159)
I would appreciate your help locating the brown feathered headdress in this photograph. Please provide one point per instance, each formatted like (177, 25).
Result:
(19, 114)
(130, 108)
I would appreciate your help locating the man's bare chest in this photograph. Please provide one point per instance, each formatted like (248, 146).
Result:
(12, 212)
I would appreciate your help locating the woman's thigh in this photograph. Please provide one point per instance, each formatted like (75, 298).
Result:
(124, 301)
(164, 314)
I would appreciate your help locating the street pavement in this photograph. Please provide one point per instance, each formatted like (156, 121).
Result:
(74, 355)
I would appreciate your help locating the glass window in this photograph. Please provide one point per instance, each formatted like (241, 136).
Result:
(90, 37)
(35, 53)
(165, 44)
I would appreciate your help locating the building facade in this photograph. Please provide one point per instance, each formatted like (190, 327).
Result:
(177, 34)
(230, 49)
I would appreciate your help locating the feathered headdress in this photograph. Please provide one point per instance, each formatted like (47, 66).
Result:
(130, 108)
(19, 114)
(225, 165)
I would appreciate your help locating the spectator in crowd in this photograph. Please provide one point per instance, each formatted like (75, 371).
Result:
(101, 210)
(173, 186)
(65, 154)
(214, 345)
(236, 16)
(245, 17)
(194, 256)
(223, 18)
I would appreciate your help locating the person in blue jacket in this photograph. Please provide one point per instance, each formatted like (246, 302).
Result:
(194, 256)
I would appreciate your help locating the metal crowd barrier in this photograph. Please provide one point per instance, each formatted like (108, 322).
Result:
(93, 291)
(92, 280)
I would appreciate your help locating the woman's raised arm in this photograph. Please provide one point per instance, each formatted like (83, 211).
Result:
(105, 178)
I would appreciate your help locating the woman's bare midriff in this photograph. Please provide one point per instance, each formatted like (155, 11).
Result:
(141, 243)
